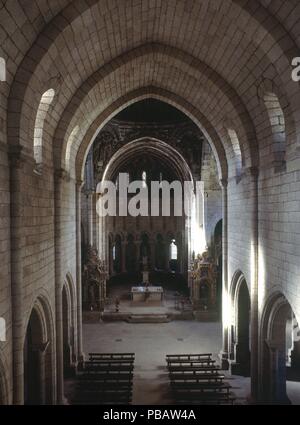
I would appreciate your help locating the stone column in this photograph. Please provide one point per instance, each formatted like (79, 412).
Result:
(60, 176)
(277, 374)
(90, 202)
(225, 352)
(79, 185)
(254, 287)
(110, 258)
(17, 164)
(40, 351)
(95, 220)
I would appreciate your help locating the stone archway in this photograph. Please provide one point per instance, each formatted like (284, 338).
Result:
(38, 358)
(240, 329)
(276, 320)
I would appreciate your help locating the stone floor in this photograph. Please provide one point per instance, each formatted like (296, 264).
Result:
(151, 343)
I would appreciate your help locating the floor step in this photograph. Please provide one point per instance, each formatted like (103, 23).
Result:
(148, 318)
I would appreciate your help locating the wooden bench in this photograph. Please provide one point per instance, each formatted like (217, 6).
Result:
(103, 392)
(196, 377)
(188, 356)
(208, 369)
(213, 400)
(203, 386)
(107, 376)
(111, 356)
(205, 398)
(105, 385)
(94, 367)
(109, 362)
(99, 398)
(200, 362)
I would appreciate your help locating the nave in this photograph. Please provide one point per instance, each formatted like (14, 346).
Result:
(99, 99)
(151, 343)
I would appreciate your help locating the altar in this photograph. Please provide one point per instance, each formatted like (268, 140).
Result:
(147, 293)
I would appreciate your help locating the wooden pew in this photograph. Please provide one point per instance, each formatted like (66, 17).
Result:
(187, 368)
(116, 356)
(188, 356)
(110, 361)
(201, 386)
(189, 397)
(107, 378)
(105, 386)
(98, 398)
(196, 377)
(201, 362)
(104, 376)
(107, 366)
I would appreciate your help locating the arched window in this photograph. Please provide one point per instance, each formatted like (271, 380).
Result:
(2, 69)
(114, 252)
(41, 115)
(173, 250)
(237, 150)
(2, 330)
(277, 122)
(69, 147)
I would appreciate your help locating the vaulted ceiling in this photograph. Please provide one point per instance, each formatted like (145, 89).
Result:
(211, 59)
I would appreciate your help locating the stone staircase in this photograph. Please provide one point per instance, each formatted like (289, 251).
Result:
(148, 318)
